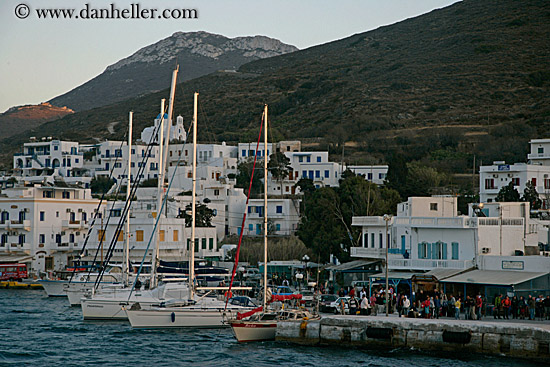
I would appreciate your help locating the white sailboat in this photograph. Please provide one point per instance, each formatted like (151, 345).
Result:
(193, 311)
(106, 304)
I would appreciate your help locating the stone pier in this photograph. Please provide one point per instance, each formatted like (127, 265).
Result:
(521, 340)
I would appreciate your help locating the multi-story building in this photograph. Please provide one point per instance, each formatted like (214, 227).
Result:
(540, 152)
(375, 174)
(177, 131)
(47, 223)
(493, 178)
(283, 216)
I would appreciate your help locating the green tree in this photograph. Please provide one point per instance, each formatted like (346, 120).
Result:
(305, 185)
(245, 172)
(397, 174)
(279, 167)
(508, 193)
(531, 195)
(421, 180)
(101, 184)
(203, 216)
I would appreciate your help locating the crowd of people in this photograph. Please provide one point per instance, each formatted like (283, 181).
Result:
(436, 304)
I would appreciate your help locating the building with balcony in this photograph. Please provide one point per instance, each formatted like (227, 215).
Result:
(540, 152)
(49, 224)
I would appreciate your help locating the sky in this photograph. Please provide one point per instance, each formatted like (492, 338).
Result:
(43, 58)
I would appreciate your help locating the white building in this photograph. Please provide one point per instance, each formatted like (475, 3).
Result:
(283, 216)
(47, 223)
(375, 174)
(247, 150)
(493, 178)
(540, 152)
(429, 230)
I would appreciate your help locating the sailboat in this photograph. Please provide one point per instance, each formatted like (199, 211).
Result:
(106, 304)
(260, 324)
(194, 311)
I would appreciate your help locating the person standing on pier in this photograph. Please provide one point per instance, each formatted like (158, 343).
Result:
(479, 305)
(498, 305)
(457, 309)
(546, 304)
(406, 306)
(364, 305)
(515, 303)
(506, 304)
(531, 303)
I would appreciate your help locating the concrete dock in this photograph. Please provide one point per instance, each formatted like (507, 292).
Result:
(522, 340)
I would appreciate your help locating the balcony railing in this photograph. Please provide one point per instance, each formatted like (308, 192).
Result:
(428, 264)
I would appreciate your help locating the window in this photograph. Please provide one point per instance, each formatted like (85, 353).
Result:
(489, 184)
(365, 240)
(547, 183)
(66, 195)
(300, 159)
(317, 174)
(454, 250)
(100, 235)
(380, 239)
(327, 173)
(21, 239)
(433, 206)
(84, 216)
(534, 181)
(372, 240)
(243, 153)
(118, 165)
(71, 238)
(540, 150)
(58, 238)
(277, 227)
(439, 250)
(120, 236)
(424, 250)
(204, 243)
(41, 238)
(318, 159)
(4, 239)
(139, 235)
(515, 181)
(250, 227)
(42, 216)
(161, 235)
(304, 174)
(210, 243)
(308, 158)
(369, 176)
(279, 209)
(175, 236)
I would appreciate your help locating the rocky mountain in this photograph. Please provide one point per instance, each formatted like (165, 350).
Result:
(149, 69)
(469, 80)
(21, 118)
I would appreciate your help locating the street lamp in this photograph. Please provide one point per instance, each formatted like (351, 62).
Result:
(305, 259)
(387, 218)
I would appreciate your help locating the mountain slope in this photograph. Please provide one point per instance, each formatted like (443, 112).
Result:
(471, 78)
(21, 118)
(149, 69)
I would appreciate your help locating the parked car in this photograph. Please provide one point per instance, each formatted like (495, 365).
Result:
(326, 301)
(308, 298)
(336, 305)
(252, 274)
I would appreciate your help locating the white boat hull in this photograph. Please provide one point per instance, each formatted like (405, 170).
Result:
(54, 288)
(171, 318)
(248, 331)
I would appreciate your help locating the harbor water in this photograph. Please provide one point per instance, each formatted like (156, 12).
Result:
(39, 331)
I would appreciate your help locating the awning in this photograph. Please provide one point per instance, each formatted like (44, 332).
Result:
(351, 265)
(494, 277)
(441, 274)
(15, 258)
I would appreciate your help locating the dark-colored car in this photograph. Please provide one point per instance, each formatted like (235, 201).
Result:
(326, 301)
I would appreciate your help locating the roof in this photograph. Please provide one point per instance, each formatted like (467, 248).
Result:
(351, 265)
(494, 277)
(445, 273)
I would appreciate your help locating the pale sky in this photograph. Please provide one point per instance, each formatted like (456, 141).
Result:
(43, 58)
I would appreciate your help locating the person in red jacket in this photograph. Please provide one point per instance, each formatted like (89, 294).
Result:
(506, 304)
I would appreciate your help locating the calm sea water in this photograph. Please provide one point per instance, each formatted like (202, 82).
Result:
(39, 331)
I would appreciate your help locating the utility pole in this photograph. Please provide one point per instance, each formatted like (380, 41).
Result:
(387, 218)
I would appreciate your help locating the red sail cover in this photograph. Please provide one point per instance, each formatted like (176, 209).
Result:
(288, 297)
(241, 316)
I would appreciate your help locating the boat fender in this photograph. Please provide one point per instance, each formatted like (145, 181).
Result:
(173, 317)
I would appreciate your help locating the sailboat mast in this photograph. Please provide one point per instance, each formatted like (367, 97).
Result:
(265, 208)
(154, 257)
(193, 205)
(126, 257)
(168, 129)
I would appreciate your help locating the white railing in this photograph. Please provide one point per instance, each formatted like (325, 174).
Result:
(368, 221)
(495, 221)
(428, 264)
(376, 253)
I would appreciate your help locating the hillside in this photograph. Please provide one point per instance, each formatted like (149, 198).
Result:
(469, 79)
(149, 69)
(21, 118)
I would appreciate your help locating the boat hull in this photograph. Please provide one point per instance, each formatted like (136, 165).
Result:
(54, 288)
(249, 331)
(197, 318)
